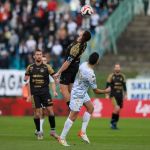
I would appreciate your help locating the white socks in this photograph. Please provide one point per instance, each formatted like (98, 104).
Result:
(68, 124)
(41, 124)
(85, 122)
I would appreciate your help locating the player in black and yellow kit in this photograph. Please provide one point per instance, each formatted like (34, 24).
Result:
(117, 82)
(38, 75)
(70, 67)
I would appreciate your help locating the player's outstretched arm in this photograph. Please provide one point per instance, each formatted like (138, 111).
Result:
(100, 91)
(63, 68)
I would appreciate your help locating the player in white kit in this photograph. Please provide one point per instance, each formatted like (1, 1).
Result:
(79, 97)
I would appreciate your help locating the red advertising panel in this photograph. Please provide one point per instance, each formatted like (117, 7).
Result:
(102, 108)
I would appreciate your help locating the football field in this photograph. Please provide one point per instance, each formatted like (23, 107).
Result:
(18, 134)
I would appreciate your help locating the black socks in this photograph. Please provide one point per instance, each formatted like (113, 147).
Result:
(37, 124)
(52, 122)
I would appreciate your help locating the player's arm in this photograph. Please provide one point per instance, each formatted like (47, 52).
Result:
(73, 54)
(92, 81)
(108, 84)
(27, 82)
(100, 91)
(65, 65)
(53, 86)
(124, 87)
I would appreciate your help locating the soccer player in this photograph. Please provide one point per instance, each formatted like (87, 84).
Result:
(117, 82)
(44, 111)
(70, 67)
(38, 76)
(79, 97)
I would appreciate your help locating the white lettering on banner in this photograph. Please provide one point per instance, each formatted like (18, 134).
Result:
(98, 107)
(11, 82)
(138, 89)
(142, 109)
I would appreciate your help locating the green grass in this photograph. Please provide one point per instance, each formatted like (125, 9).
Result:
(134, 134)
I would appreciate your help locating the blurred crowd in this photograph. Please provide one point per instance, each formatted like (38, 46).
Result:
(50, 25)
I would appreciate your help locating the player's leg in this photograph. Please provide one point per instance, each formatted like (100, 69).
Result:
(37, 111)
(67, 126)
(44, 112)
(75, 105)
(85, 121)
(115, 113)
(70, 87)
(52, 122)
(48, 103)
(64, 89)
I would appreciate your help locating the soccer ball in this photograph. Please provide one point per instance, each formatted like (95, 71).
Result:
(86, 10)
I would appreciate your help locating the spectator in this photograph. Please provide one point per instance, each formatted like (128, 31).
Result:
(72, 27)
(94, 21)
(31, 44)
(37, 23)
(56, 53)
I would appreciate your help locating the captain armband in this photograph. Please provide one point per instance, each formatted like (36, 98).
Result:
(70, 59)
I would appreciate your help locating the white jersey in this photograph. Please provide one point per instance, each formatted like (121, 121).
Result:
(84, 80)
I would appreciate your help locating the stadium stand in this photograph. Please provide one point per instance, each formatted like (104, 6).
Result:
(46, 24)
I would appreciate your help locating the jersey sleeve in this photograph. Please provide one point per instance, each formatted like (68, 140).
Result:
(92, 81)
(50, 70)
(74, 52)
(109, 79)
(27, 73)
(124, 83)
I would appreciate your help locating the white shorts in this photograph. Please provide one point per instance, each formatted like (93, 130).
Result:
(76, 102)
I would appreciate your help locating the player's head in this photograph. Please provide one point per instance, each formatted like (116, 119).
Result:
(117, 68)
(84, 36)
(38, 55)
(44, 59)
(94, 58)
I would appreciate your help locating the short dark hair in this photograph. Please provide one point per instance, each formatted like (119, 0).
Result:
(86, 36)
(38, 50)
(93, 58)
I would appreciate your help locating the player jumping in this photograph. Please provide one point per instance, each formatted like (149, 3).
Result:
(79, 97)
(70, 67)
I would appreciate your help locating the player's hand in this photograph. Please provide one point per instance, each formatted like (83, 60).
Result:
(29, 99)
(107, 96)
(55, 94)
(108, 90)
(125, 97)
(56, 75)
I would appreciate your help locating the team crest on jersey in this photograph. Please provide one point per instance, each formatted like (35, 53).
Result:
(41, 70)
(113, 78)
(31, 68)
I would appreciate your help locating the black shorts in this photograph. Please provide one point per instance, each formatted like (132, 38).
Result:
(67, 77)
(117, 100)
(42, 100)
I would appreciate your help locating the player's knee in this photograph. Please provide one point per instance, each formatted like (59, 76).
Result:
(50, 112)
(90, 110)
(117, 109)
(37, 114)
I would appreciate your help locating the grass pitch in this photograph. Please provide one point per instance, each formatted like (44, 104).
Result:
(17, 133)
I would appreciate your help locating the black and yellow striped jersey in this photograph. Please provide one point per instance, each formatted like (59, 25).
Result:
(74, 52)
(117, 82)
(39, 77)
